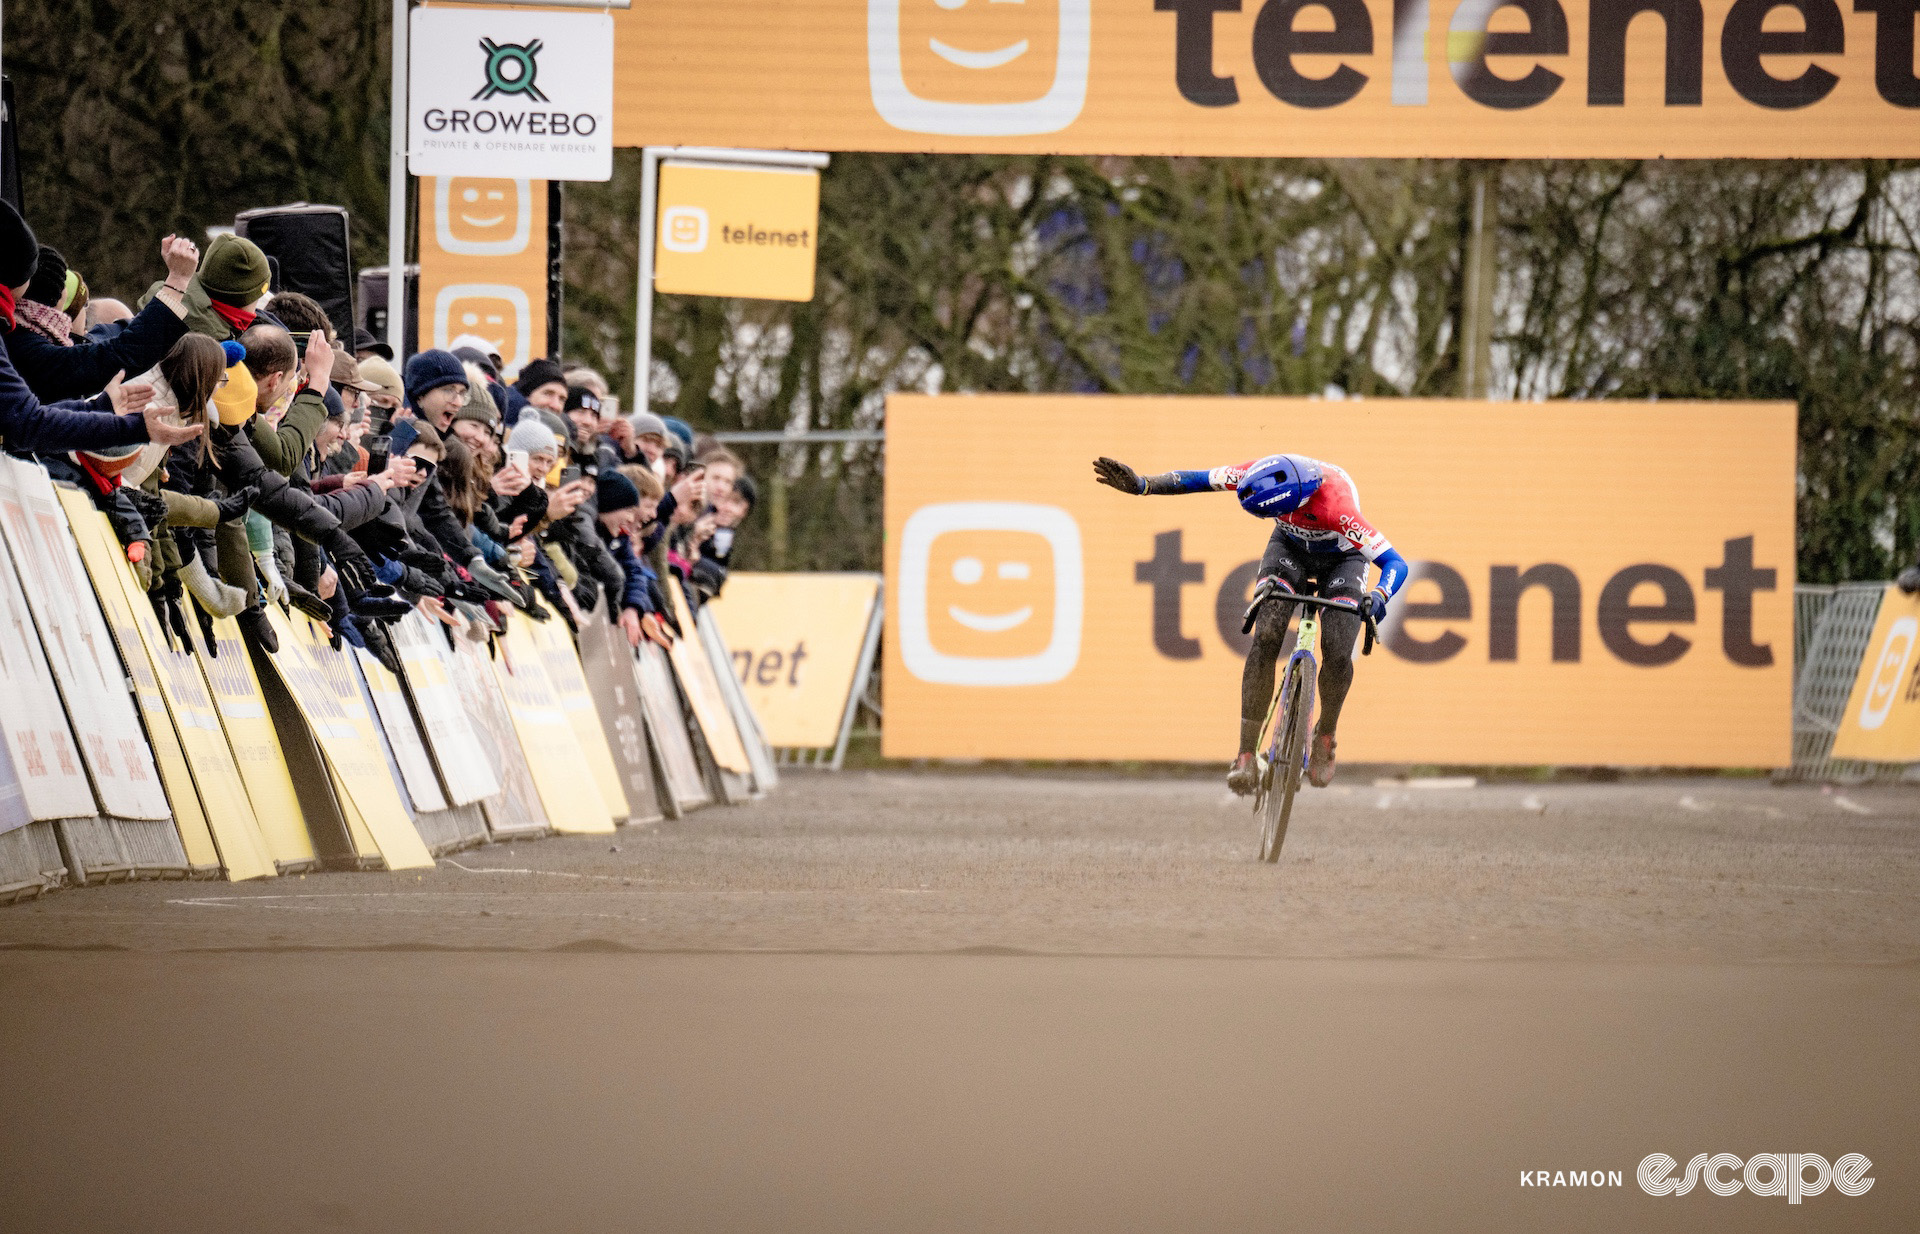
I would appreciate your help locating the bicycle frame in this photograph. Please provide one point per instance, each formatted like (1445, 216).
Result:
(1306, 642)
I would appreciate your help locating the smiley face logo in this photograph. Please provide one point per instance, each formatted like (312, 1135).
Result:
(979, 68)
(683, 229)
(479, 217)
(498, 312)
(1889, 673)
(990, 594)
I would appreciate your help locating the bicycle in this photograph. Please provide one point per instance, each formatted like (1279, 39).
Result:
(1286, 758)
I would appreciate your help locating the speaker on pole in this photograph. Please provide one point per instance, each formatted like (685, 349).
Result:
(314, 251)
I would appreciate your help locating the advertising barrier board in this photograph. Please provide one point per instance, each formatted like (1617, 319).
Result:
(1277, 78)
(1594, 583)
(1882, 721)
(796, 641)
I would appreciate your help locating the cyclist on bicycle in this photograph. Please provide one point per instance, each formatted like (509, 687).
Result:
(1320, 542)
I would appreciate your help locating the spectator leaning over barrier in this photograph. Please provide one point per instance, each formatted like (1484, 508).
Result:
(56, 367)
(221, 295)
(619, 511)
(389, 396)
(649, 434)
(27, 424)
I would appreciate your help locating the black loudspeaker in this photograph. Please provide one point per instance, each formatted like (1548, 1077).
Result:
(373, 306)
(9, 148)
(312, 248)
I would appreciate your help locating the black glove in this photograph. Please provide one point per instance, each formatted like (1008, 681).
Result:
(308, 603)
(419, 583)
(165, 598)
(236, 505)
(1116, 474)
(707, 577)
(380, 644)
(381, 608)
(152, 507)
(381, 536)
(350, 562)
(206, 631)
(1908, 580)
(421, 559)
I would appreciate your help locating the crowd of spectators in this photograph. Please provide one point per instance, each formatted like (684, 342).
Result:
(254, 457)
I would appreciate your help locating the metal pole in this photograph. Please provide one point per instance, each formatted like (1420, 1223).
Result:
(643, 316)
(397, 191)
(864, 671)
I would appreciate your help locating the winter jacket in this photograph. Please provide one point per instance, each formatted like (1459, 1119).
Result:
(52, 371)
(27, 424)
(282, 448)
(128, 524)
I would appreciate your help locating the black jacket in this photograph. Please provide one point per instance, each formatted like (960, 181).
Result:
(27, 424)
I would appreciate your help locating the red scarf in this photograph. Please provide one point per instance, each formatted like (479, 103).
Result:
(240, 319)
(6, 305)
(101, 480)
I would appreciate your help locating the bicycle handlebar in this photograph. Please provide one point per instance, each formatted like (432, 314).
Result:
(1269, 593)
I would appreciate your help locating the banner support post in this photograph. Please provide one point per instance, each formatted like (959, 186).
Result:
(861, 673)
(397, 190)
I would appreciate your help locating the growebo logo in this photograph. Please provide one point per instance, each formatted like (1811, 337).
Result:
(1784, 1174)
(511, 68)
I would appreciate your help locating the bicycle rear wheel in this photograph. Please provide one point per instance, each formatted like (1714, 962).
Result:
(1289, 761)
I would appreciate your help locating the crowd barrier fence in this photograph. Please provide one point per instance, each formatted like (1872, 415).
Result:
(124, 754)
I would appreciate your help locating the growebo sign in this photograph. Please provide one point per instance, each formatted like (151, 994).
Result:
(510, 94)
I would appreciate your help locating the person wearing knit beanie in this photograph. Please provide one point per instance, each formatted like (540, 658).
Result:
(554, 423)
(543, 384)
(436, 386)
(613, 493)
(19, 251)
(236, 398)
(681, 429)
(478, 425)
(49, 284)
(535, 439)
(234, 271)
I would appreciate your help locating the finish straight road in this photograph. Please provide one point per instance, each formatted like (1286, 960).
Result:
(907, 1002)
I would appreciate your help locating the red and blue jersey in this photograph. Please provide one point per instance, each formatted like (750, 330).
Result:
(1329, 521)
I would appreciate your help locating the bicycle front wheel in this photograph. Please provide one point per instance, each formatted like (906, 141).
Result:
(1288, 763)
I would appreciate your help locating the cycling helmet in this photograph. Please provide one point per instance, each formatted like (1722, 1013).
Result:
(1278, 484)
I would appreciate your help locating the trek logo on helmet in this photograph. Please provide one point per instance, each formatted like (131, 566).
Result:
(1278, 484)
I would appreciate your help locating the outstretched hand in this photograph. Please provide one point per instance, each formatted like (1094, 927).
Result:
(1116, 474)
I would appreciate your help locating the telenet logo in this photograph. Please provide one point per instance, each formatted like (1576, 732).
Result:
(1889, 673)
(498, 312)
(991, 593)
(979, 68)
(684, 229)
(482, 217)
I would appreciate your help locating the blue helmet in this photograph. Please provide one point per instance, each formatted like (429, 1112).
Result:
(1278, 484)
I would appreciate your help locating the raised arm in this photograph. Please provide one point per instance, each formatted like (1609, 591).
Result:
(1116, 474)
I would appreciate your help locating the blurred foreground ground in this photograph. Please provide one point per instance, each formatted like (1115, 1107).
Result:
(954, 1002)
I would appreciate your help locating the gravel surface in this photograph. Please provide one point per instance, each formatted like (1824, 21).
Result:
(1721, 869)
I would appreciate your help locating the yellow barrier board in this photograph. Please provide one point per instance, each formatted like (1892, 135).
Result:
(697, 678)
(324, 684)
(403, 735)
(1594, 583)
(468, 775)
(256, 746)
(737, 231)
(1882, 721)
(79, 650)
(107, 568)
(569, 790)
(562, 662)
(796, 641)
(1338, 79)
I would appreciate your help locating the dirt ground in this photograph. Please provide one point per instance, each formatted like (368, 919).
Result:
(903, 1001)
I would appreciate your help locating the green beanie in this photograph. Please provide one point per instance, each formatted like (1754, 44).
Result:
(234, 270)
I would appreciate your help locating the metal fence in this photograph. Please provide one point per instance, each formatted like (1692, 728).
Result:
(1831, 627)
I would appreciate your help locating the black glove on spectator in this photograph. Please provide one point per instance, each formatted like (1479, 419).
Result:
(236, 505)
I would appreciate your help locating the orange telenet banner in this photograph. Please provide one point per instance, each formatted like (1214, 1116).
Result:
(1326, 78)
(1593, 583)
(483, 265)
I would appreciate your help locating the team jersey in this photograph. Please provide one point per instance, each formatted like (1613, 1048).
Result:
(1329, 522)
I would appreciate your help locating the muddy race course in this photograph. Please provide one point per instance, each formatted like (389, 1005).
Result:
(892, 1001)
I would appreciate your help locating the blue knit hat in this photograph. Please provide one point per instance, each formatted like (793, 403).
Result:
(614, 491)
(681, 429)
(429, 370)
